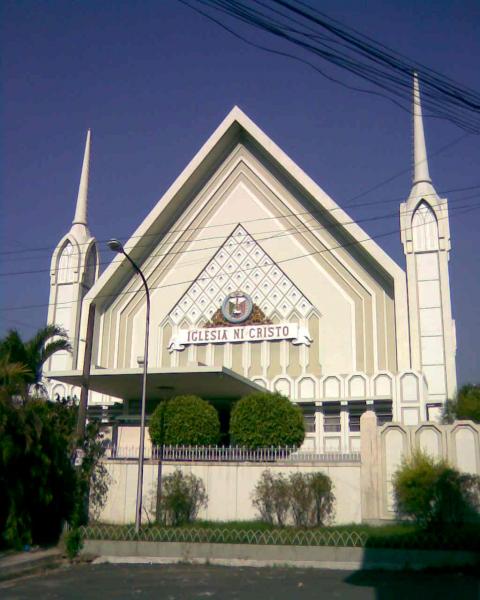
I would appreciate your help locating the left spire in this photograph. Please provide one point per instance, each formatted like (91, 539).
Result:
(81, 210)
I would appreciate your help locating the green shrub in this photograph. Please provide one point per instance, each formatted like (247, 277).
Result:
(185, 420)
(433, 493)
(39, 488)
(323, 498)
(37, 480)
(466, 405)
(312, 499)
(307, 497)
(73, 543)
(262, 419)
(301, 499)
(271, 497)
(181, 499)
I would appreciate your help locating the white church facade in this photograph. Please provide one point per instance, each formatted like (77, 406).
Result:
(259, 280)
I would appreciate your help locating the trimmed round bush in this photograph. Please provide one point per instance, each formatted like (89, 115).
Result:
(262, 419)
(185, 421)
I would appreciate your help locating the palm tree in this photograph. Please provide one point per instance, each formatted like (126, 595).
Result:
(21, 363)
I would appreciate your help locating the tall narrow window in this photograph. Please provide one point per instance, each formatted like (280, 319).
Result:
(424, 229)
(90, 268)
(66, 264)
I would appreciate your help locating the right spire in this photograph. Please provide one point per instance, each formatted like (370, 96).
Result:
(82, 199)
(420, 166)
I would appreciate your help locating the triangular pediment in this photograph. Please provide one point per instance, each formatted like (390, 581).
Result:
(237, 129)
(240, 264)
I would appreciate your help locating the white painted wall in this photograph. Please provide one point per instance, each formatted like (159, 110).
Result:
(229, 487)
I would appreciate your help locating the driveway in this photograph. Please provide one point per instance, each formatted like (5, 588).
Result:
(186, 582)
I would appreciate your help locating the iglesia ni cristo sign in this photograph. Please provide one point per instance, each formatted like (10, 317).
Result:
(237, 309)
(243, 333)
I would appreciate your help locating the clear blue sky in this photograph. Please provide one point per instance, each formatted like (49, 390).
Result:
(153, 80)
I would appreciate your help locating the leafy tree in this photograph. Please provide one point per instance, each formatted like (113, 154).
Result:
(36, 476)
(263, 419)
(466, 405)
(32, 354)
(433, 493)
(12, 376)
(185, 420)
(39, 488)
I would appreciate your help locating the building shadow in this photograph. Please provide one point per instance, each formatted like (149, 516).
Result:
(433, 584)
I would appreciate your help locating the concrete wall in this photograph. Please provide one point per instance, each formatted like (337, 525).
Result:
(383, 449)
(363, 490)
(229, 487)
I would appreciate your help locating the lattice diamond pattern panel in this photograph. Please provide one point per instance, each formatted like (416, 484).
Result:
(240, 264)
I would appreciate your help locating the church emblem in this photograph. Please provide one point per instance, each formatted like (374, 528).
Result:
(237, 307)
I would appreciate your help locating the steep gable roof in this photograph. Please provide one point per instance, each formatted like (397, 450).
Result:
(234, 129)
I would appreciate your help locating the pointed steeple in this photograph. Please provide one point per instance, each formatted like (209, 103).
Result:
(420, 167)
(81, 216)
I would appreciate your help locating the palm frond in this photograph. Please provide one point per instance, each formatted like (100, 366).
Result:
(56, 346)
(43, 335)
(14, 377)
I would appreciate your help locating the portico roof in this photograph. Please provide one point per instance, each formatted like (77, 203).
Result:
(204, 381)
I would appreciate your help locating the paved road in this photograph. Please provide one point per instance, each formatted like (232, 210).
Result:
(186, 582)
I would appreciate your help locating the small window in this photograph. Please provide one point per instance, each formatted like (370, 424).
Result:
(331, 423)
(309, 422)
(384, 416)
(354, 421)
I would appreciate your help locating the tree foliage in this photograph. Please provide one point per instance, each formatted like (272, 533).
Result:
(21, 362)
(262, 419)
(36, 475)
(433, 493)
(185, 420)
(466, 405)
(40, 489)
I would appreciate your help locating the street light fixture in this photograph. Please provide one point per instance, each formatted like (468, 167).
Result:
(116, 246)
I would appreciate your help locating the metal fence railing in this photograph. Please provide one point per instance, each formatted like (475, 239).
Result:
(406, 537)
(220, 535)
(230, 454)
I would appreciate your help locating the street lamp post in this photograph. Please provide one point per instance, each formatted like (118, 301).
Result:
(116, 246)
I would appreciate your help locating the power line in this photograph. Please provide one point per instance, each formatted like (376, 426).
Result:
(291, 231)
(335, 43)
(281, 261)
(320, 211)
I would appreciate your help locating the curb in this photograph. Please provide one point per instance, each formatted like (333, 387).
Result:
(318, 557)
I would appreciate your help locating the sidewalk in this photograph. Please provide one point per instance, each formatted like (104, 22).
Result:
(17, 564)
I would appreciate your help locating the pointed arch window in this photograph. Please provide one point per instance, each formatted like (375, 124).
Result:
(90, 268)
(424, 229)
(66, 264)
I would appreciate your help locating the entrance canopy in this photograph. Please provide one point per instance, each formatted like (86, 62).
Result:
(207, 382)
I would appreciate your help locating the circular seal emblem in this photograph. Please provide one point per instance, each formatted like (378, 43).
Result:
(237, 307)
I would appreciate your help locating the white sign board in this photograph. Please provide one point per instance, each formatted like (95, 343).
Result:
(246, 333)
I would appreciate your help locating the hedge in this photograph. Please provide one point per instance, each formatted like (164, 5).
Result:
(263, 419)
(185, 420)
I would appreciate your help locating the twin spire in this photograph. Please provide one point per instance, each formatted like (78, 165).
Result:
(420, 160)
(79, 228)
(420, 168)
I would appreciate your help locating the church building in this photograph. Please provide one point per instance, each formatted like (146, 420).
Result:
(259, 280)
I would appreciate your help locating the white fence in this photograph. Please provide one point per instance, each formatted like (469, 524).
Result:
(230, 454)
